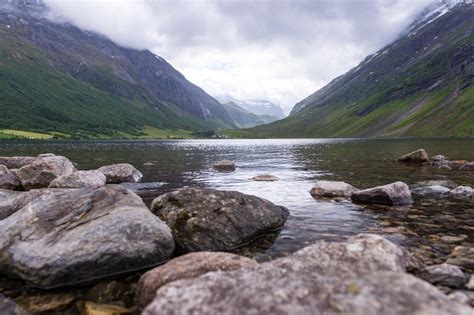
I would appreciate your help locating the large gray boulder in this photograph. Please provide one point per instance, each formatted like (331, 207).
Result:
(364, 275)
(462, 193)
(72, 236)
(121, 173)
(431, 192)
(325, 188)
(14, 162)
(79, 179)
(189, 266)
(208, 219)
(417, 157)
(12, 201)
(8, 179)
(43, 170)
(396, 193)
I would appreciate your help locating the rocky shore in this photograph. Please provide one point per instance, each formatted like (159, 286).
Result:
(82, 242)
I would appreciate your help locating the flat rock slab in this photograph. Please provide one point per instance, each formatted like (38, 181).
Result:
(396, 193)
(434, 192)
(445, 275)
(80, 179)
(331, 189)
(73, 236)
(417, 157)
(121, 173)
(364, 275)
(265, 178)
(188, 266)
(211, 220)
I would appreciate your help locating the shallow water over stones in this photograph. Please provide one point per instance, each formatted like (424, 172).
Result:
(430, 228)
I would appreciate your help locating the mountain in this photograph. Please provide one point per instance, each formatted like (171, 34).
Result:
(263, 108)
(55, 77)
(421, 85)
(245, 119)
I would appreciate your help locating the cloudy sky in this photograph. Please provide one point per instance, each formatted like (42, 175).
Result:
(280, 50)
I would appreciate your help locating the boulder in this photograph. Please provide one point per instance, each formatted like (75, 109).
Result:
(418, 157)
(445, 275)
(8, 179)
(265, 178)
(79, 179)
(9, 307)
(208, 219)
(431, 192)
(224, 166)
(325, 188)
(14, 162)
(43, 170)
(463, 257)
(188, 266)
(438, 158)
(445, 168)
(73, 236)
(121, 173)
(364, 275)
(467, 167)
(463, 193)
(459, 163)
(12, 201)
(396, 193)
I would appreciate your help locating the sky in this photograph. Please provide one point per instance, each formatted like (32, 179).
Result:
(279, 50)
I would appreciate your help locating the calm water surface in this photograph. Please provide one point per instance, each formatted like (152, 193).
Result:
(298, 163)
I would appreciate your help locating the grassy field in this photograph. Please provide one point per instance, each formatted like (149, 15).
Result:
(156, 133)
(10, 133)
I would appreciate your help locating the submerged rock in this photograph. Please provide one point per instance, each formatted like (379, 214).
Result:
(396, 193)
(468, 167)
(188, 266)
(445, 275)
(464, 193)
(325, 188)
(79, 179)
(265, 178)
(8, 179)
(121, 173)
(224, 166)
(463, 257)
(79, 235)
(418, 157)
(43, 170)
(208, 219)
(435, 191)
(364, 275)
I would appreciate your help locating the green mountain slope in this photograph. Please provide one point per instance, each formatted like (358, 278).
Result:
(421, 85)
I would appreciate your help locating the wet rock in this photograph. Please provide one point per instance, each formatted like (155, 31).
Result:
(224, 166)
(90, 308)
(9, 307)
(396, 193)
(464, 193)
(463, 257)
(121, 173)
(431, 192)
(444, 182)
(43, 170)
(445, 168)
(208, 219)
(15, 162)
(265, 178)
(79, 179)
(438, 158)
(324, 188)
(459, 163)
(107, 292)
(79, 235)
(470, 283)
(49, 302)
(8, 179)
(445, 275)
(467, 167)
(188, 266)
(418, 157)
(364, 275)
(452, 239)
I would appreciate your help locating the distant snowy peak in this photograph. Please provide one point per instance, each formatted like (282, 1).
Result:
(432, 12)
(257, 107)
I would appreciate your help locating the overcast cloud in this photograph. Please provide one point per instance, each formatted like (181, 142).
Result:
(280, 50)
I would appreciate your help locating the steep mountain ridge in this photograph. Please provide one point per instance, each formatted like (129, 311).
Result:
(419, 85)
(149, 90)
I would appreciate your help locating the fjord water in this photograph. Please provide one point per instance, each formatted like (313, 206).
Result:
(298, 163)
